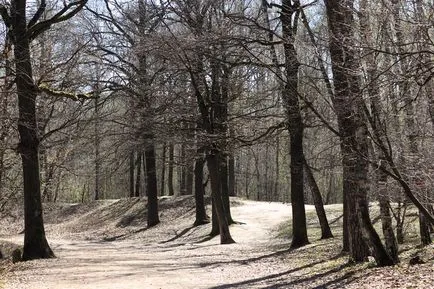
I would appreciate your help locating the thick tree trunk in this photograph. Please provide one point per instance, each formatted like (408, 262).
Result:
(225, 187)
(151, 185)
(138, 174)
(170, 169)
(382, 258)
(386, 224)
(35, 242)
(213, 168)
(319, 205)
(277, 176)
(345, 221)
(97, 193)
(352, 176)
(199, 192)
(289, 18)
(348, 104)
(215, 229)
(131, 171)
(182, 171)
(400, 218)
(425, 234)
(4, 103)
(163, 171)
(231, 177)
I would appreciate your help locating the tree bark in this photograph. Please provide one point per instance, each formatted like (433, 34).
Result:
(131, 171)
(380, 130)
(35, 242)
(348, 104)
(97, 193)
(199, 192)
(182, 171)
(163, 171)
(151, 185)
(213, 168)
(170, 169)
(289, 17)
(231, 177)
(319, 205)
(138, 174)
(225, 187)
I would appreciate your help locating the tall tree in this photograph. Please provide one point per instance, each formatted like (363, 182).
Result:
(290, 16)
(378, 124)
(23, 31)
(348, 104)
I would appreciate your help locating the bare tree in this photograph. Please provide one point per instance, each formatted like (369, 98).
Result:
(23, 31)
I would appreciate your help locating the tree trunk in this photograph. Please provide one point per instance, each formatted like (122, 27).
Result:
(151, 185)
(405, 91)
(352, 175)
(138, 173)
(277, 176)
(225, 187)
(170, 169)
(379, 128)
(182, 171)
(319, 206)
(4, 126)
(131, 169)
(35, 242)
(163, 170)
(215, 229)
(345, 220)
(97, 193)
(199, 192)
(213, 168)
(425, 235)
(386, 223)
(231, 177)
(289, 17)
(348, 104)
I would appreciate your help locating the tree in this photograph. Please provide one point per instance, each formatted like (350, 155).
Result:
(378, 123)
(23, 32)
(348, 104)
(289, 16)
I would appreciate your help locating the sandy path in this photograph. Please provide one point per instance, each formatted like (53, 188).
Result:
(176, 264)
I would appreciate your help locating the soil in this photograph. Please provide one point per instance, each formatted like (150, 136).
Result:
(106, 245)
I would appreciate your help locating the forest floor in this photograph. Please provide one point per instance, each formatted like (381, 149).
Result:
(105, 244)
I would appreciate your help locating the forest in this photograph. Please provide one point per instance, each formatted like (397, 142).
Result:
(273, 126)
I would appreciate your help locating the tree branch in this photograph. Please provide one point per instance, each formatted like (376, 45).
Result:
(5, 15)
(74, 96)
(38, 13)
(67, 12)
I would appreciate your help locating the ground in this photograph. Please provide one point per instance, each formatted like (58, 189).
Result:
(105, 244)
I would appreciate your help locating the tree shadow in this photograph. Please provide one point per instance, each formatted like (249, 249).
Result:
(207, 237)
(269, 278)
(123, 236)
(340, 281)
(183, 232)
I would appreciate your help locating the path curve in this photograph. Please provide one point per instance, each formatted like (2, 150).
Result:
(135, 264)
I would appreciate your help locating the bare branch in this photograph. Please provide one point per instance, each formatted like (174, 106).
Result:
(5, 15)
(74, 96)
(67, 12)
(38, 13)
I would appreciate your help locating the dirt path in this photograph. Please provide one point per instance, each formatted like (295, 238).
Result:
(171, 264)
